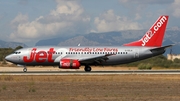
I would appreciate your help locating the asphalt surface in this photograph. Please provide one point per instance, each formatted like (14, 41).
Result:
(90, 73)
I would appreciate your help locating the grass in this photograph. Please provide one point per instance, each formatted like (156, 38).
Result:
(4, 87)
(90, 87)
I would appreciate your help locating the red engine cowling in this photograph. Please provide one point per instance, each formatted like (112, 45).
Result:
(69, 64)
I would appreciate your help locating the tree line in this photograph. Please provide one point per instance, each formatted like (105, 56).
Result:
(6, 51)
(157, 61)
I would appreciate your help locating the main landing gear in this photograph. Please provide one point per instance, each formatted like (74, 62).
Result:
(87, 68)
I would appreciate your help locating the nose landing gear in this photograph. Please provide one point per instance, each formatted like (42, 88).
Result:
(25, 69)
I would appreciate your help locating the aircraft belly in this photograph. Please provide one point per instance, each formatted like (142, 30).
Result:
(119, 59)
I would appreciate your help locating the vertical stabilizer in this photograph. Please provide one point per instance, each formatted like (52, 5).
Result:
(154, 36)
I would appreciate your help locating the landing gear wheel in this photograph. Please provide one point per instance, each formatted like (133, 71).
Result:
(25, 69)
(87, 68)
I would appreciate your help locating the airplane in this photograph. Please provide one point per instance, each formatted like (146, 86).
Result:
(73, 57)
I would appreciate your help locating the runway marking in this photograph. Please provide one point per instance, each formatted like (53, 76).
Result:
(90, 73)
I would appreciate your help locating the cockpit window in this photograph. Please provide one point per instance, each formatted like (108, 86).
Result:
(17, 52)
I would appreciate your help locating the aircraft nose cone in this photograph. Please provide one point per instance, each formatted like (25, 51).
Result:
(8, 58)
(11, 58)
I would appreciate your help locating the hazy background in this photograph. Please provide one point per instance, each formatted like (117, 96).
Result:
(28, 21)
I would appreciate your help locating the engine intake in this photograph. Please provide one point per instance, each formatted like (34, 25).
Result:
(69, 64)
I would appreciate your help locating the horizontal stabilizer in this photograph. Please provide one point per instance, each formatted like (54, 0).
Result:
(162, 48)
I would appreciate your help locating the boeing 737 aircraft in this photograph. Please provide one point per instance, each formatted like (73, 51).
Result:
(73, 57)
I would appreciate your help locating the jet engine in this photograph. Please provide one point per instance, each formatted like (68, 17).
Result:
(69, 64)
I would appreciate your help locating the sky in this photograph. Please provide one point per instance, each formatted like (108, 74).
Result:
(29, 21)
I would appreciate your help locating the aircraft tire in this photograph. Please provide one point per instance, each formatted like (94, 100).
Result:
(25, 69)
(87, 68)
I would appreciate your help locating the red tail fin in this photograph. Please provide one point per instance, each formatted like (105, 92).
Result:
(154, 36)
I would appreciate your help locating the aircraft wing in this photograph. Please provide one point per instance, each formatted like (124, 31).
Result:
(95, 59)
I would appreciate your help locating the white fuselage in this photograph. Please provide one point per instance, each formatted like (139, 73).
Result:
(86, 55)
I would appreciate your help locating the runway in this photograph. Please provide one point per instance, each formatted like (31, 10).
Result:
(90, 73)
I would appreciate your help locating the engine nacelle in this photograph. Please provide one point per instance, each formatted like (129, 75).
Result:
(69, 64)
